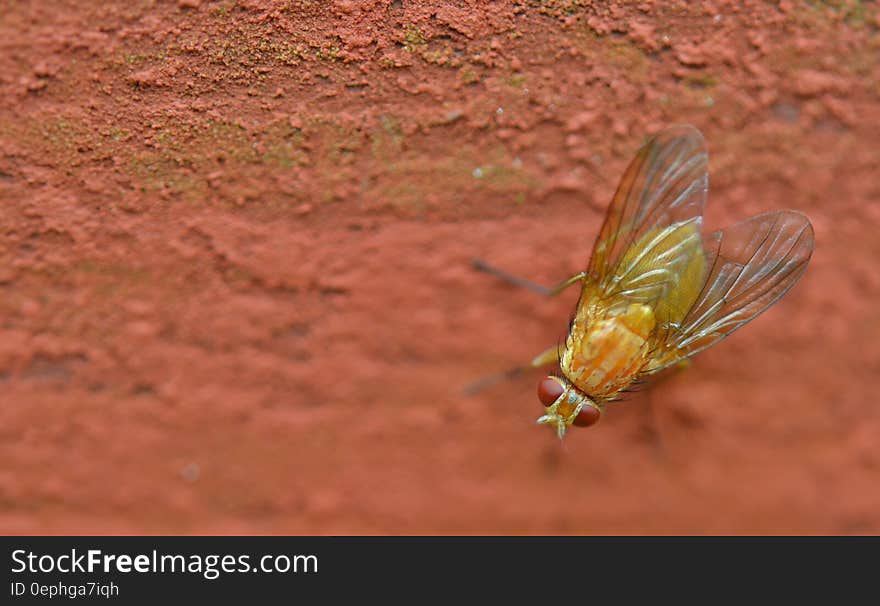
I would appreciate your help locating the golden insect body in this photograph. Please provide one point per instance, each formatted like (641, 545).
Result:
(657, 290)
(604, 357)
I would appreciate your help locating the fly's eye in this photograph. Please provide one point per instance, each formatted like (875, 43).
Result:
(549, 390)
(588, 415)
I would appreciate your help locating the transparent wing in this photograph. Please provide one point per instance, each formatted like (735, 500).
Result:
(664, 270)
(753, 263)
(665, 185)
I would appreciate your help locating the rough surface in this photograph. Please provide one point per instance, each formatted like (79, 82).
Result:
(235, 291)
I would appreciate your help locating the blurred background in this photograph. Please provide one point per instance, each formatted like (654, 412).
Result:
(235, 282)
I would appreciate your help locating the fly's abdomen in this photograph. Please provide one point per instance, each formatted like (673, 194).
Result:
(605, 357)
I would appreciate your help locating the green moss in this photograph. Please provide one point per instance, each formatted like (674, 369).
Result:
(468, 75)
(119, 134)
(413, 38)
(700, 80)
(63, 133)
(516, 80)
(406, 197)
(329, 53)
(387, 142)
(500, 176)
(414, 179)
(284, 147)
(435, 57)
(109, 279)
(626, 56)
(223, 8)
(183, 154)
(69, 141)
(851, 12)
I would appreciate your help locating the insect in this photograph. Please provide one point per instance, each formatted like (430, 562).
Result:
(657, 290)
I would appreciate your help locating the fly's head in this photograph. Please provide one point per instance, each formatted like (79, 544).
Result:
(566, 405)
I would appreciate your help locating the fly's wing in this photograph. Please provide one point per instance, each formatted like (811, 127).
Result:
(650, 248)
(753, 263)
(664, 184)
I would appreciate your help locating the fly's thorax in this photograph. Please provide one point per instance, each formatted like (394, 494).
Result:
(566, 405)
(604, 355)
(639, 319)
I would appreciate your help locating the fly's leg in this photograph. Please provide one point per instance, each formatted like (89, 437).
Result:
(527, 284)
(548, 356)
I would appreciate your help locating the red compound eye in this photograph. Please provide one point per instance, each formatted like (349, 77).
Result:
(548, 390)
(588, 415)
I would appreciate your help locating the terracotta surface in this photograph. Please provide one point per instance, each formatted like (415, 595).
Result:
(235, 282)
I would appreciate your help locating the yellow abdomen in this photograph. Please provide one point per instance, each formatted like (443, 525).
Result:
(603, 357)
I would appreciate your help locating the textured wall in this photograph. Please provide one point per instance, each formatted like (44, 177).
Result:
(235, 291)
